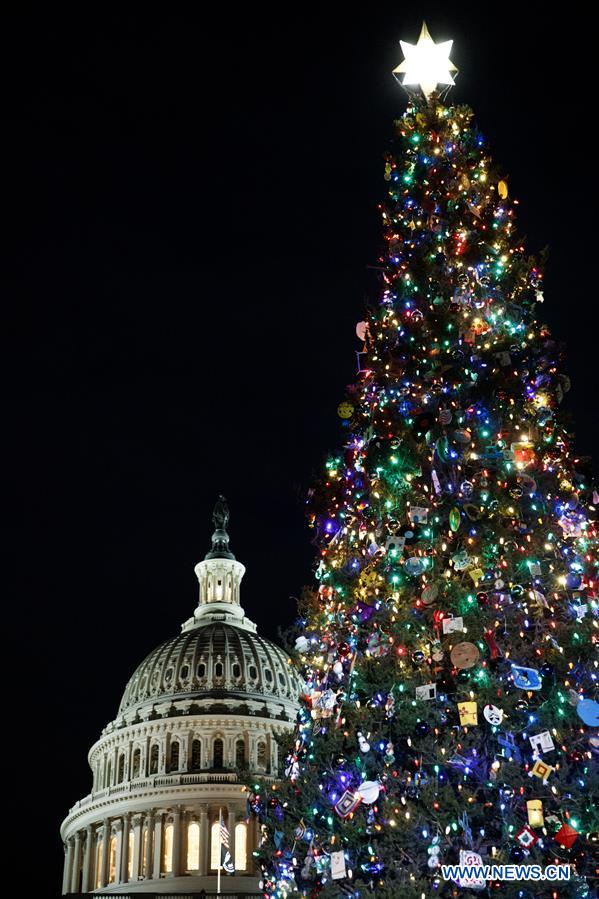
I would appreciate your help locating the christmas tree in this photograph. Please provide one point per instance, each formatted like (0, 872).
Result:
(449, 649)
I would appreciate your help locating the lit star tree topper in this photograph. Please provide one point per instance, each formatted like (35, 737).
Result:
(426, 64)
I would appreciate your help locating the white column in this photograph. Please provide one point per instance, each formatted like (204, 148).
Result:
(176, 841)
(149, 841)
(124, 864)
(136, 821)
(119, 851)
(158, 825)
(204, 840)
(87, 859)
(105, 852)
(68, 865)
(76, 862)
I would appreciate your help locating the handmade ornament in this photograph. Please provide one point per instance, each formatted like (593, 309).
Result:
(323, 703)
(526, 678)
(508, 747)
(363, 743)
(345, 410)
(566, 836)
(416, 565)
(542, 770)
(452, 625)
(476, 574)
(389, 756)
(464, 655)
(494, 650)
(418, 515)
(526, 837)
(534, 809)
(588, 711)
(542, 742)
(461, 560)
(301, 644)
(426, 691)
(493, 714)
(368, 791)
(502, 189)
(430, 594)
(395, 544)
(454, 519)
(338, 870)
(468, 713)
(471, 864)
(348, 802)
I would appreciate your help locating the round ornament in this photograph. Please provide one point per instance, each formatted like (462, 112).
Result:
(588, 710)
(464, 655)
(416, 565)
(493, 714)
(345, 410)
(429, 594)
(369, 791)
(462, 436)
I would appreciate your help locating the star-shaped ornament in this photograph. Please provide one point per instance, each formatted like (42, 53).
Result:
(426, 63)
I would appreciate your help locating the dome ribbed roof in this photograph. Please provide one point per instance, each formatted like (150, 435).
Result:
(215, 661)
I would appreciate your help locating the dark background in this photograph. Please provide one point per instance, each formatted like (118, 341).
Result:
(190, 209)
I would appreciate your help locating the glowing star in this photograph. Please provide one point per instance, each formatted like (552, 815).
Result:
(426, 63)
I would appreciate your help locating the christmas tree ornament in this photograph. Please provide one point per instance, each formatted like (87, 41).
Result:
(526, 678)
(542, 742)
(526, 837)
(493, 714)
(542, 770)
(464, 655)
(368, 791)
(363, 743)
(588, 711)
(468, 713)
(345, 410)
(347, 803)
(534, 809)
(566, 836)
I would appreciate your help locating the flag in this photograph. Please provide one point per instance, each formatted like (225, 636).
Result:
(225, 856)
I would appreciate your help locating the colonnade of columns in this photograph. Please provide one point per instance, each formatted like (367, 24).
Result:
(147, 846)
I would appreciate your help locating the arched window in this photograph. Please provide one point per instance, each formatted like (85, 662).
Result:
(154, 754)
(240, 753)
(268, 675)
(236, 670)
(262, 757)
(281, 678)
(99, 857)
(144, 844)
(193, 846)
(175, 756)
(121, 769)
(253, 672)
(108, 773)
(112, 861)
(218, 754)
(136, 763)
(196, 755)
(184, 671)
(201, 670)
(218, 669)
(167, 849)
(241, 855)
(215, 846)
(130, 854)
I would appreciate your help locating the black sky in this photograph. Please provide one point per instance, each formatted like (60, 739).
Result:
(190, 210)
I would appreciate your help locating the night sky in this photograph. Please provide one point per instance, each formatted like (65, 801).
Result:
(190, 213)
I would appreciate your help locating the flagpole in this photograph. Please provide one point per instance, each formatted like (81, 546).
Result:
(220, 849)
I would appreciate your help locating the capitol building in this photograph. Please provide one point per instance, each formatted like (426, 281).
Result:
(199, 715)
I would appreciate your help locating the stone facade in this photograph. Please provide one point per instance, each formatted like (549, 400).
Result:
(198, 715)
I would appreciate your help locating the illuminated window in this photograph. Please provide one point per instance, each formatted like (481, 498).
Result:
(196, 755)
(136, 763)
(154, 759)
(99, 857)
(167, 851)
(262, 757)
(193, 846)
(241, 846)
(175, 756)
(130, 857)
(112, 861)
(214, 846)
(218, 754)
(240, 753)
(121, 769)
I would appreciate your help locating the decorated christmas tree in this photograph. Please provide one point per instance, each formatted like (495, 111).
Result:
(449, 648)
